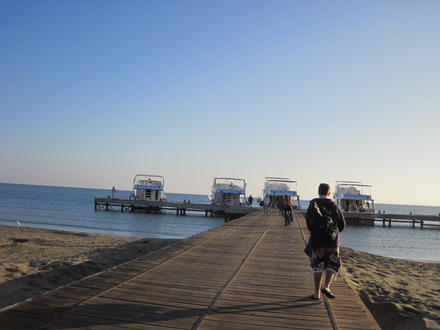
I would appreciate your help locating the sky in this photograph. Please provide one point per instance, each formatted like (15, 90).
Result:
(93, 92)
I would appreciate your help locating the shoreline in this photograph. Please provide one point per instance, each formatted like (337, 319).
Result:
(400, 294)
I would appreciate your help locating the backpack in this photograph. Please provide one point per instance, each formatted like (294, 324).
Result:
(322, 224)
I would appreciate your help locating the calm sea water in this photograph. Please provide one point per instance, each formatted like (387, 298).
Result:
(72, 209)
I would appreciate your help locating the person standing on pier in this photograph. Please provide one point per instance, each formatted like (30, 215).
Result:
(280, 205)
(325, 221)
(266, 203)
(287, 208)
(250, 200)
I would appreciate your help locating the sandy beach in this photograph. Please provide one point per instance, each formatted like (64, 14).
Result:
(34, 261)
(400, 294)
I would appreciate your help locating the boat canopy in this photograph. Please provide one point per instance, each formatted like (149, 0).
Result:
(148, 182)
(352, 190)
(229, 186)
(275, 186)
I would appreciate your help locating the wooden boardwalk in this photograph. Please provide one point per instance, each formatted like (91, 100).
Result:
(250, 273)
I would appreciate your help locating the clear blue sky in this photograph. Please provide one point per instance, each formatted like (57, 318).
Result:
(93, 92)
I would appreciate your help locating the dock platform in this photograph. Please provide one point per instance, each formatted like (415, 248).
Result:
(228, 212)
(360, 218)
(250, 273)
(387, 219)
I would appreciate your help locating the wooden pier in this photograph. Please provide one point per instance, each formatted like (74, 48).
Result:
(228, 212)
(360, 218)
(370, 219)
(250, 273)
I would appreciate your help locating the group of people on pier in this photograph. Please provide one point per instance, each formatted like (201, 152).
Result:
(284, 205)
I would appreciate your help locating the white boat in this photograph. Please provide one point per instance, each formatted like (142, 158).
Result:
(228, 191)
(276, 187)
(353, 196)
(148, 187)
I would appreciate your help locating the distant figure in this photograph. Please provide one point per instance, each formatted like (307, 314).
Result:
(325, 221)
(113, 192)
(287, 210)
(280, 204)
(266, 203)
(250, 199)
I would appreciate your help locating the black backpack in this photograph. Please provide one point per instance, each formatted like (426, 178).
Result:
(322, 224)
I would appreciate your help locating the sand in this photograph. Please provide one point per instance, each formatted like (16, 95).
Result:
(400, 294)
(34, 261)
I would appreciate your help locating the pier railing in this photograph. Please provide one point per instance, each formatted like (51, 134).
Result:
(387, 219)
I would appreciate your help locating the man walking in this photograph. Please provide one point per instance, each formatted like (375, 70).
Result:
(266, 204)
(250, 200)
(325, 221)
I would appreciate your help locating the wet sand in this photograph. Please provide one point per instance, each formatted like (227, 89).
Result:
(400, 294)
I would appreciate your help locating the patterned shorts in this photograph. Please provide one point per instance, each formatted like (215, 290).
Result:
(325, 259)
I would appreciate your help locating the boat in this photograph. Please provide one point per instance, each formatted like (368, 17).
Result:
(353, 196)
(148, 187)
(276, 187)
(228, 191)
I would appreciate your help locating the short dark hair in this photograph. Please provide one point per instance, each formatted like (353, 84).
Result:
(323, 189)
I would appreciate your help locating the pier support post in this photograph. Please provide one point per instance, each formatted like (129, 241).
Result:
(421, 224)
(96, 206)
(106, 206)
(177, 211)
(122, 207)
(383, 222)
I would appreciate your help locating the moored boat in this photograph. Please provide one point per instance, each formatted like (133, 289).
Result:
(353, 196)
(228, 191)
(276, 187)
(148, 187)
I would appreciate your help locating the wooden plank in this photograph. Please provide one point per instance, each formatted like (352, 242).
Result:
(220, 324)
(138, 314)
(72, 321)
(267, 322)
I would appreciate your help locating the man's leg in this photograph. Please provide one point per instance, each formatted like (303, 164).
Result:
(329, 276)
(318, 279)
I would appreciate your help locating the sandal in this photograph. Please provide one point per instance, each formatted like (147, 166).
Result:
(313, 297)
(328, 293)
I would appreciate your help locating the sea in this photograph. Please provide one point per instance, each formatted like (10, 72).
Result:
(72, 209)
